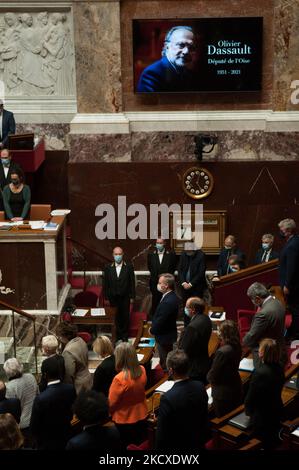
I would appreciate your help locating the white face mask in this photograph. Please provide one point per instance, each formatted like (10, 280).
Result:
(159, 288)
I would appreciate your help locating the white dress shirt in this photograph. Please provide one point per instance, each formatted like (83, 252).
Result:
(118, 268)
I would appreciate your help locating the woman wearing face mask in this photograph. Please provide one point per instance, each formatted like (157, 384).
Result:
(16, 197)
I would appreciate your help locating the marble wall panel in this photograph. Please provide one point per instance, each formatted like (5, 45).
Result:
(56, 135)
(98, 69)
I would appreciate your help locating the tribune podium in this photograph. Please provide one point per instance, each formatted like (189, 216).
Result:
(26, 152)
(34, 267)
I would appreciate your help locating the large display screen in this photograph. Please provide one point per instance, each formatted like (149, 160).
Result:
(197, 55)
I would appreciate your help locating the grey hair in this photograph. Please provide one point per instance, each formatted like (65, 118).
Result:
(269, 236)
(288, 224)
(257, 290)
(169, 279)
(170, 33)
(50, 342)
(13, 368)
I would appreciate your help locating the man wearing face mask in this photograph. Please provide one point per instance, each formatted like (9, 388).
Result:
(119, 289)
(164, 322)
(230, 248)
(160, 261)
(7, 166)
(266, 252)
(16, 197)
(289, 273)
(192, 274)
(268, 322)
(195, 339)
(7, 125)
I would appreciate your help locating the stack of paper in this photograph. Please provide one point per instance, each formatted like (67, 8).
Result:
(165, 386)
(79, 312)
(246, 364)
(217, 316)
(37, 224)
(209, 393)
(60, 212)
(140, 357)
(97, 312)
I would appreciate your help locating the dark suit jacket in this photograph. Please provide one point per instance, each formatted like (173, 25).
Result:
(224, 374)
(12, 167)
(122, 286)
(197, 271)
(222, 264)
(194, 341)
(104, 375)
(96, 437)
(51, 416)
(8, 126)
(12, 406)
(260, 253)
(164, 322)
(43, 382)
(182, 418)
(161, 76)
(156, 268)
(267, 323)
(263, 401)
(289, 267)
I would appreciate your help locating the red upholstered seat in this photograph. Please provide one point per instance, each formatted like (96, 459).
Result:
(85, 336)
(143, 446)
(86, 299)
(98, 290)
(135, 318)
(244, 318)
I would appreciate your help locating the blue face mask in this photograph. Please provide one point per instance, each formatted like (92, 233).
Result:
(160, 246)
(5, 161)
(266, 246)
(118, 258)
(187, 312)
(233, 270)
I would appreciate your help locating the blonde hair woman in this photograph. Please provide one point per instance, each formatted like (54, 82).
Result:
(127, 396)
(105, 372)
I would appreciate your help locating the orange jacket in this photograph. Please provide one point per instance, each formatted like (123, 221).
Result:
(127, 398)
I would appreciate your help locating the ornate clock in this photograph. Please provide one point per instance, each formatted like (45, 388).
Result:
(197, 182)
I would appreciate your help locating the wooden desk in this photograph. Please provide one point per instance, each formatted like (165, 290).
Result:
(34, 266)
(88, 319)
(143, 332)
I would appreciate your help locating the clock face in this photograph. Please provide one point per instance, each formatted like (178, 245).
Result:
(197, 182)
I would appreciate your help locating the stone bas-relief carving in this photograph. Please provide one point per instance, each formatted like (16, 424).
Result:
(36, 54)
(5, 290)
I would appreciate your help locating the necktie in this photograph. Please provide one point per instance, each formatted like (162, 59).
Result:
(264, 256)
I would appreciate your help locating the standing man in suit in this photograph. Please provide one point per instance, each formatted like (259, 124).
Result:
(158, 262)
(230, 248)
(52, 412)
(266, 252)
(268, 322)
(119, 289)
(7, 167)
(192, 274)
(7, 125)
(164, 322)
(289, 272)
(195, 339)
(183, 410)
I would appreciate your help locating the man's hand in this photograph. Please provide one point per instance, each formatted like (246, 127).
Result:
(185, 285)
(16, 219)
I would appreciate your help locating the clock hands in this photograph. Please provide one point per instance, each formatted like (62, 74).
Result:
(197, 182)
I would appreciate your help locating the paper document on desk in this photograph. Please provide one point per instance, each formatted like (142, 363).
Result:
(140, 357)
(2, 224)
(79, 312)
(92, 371)
(37, 224)
(15, 224)
(246, 364)
(165, 386)
(97, 312)
(296, 432)
(209, 393)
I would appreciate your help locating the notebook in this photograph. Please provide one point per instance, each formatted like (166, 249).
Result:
(165, 386)
(241, 421)
(246, 364)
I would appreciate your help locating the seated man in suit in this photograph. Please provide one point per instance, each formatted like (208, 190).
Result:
(268, 322)
(8, 125)
(164, 322)
(158, 262)
(52, 410)
(266, 252)
(192, 274)
(183, 410)
(7, 167)
(195, 339)
(230, 248)
(119, 289)
(9, 405)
